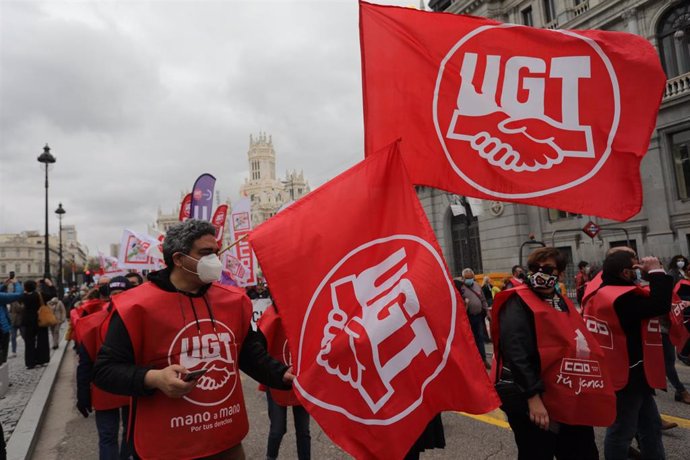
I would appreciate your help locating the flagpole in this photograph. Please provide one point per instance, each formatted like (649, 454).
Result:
(234, 243)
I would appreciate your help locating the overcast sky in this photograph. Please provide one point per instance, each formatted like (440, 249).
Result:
(137, 98)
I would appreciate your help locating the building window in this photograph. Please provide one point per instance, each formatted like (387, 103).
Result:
(28, 268)
(617, 244)
(549, 11)
(680, 149)
(527, 17)
(673, 33)
(557, 214)
(467, 250)
(2, 269)
(17, 268)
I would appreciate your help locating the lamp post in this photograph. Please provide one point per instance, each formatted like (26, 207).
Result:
(47, 159)
(61, 275)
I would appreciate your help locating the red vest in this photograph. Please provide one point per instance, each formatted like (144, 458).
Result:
(591, 287)
(603, 322)
(271, 326)
(91, 330)
(165, 329)
(577, 387)
(678, 333)
(86, 308)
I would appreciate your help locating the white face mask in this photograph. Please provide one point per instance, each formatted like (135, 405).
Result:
(680, 263)
(208, 269)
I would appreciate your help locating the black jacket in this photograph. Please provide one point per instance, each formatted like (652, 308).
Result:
(518, 346)
(116, 372)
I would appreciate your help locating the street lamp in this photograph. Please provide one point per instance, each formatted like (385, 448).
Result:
(47, 159)
(60, 211)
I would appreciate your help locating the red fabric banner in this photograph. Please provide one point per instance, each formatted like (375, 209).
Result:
(219, 217)
(552, 118)
(378, 334)
(185, 207)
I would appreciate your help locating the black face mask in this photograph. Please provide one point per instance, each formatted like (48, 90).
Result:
(521, 276)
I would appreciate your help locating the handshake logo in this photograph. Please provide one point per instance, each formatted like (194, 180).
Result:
(514, 132)
(369, 348)
(527, 123)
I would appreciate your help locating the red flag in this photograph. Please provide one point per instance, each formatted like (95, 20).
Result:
(186, 207)
(552, 118)
(380, 336)
(218, 221)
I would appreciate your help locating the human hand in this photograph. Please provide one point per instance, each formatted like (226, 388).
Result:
(168, 381)
(649, 263)
(288, 376)
(84, 408)
(537, 412)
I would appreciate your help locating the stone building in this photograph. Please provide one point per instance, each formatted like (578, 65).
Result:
(267, 193)
(23, 253)
(662, 228)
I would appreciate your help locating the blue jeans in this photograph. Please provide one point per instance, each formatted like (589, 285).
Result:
(13, 338)
(636, 413)
(278, 417)
(476, 322)
(108, 425)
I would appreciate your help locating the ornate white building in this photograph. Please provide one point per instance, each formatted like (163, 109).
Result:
(491, 241)
(267, 193)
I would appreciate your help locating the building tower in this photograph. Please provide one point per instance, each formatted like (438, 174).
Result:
(267, 193)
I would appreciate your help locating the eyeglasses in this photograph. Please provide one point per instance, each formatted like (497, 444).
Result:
(545, 269)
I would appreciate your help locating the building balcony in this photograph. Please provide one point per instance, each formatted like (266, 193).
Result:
(552, 25)
(677, 86)
(582, 8)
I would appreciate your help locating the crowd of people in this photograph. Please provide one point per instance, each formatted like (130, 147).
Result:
(139, 387)
(617, 331)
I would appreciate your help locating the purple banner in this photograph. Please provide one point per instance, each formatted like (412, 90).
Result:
(202, 197)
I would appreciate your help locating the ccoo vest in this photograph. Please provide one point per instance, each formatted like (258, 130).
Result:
(272, 328)
(91, 330)
(603, 322)
(678, 332)
(171, 328)
(577, 386)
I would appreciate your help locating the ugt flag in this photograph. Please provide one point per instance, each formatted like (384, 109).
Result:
(379, 336)
(552, 118)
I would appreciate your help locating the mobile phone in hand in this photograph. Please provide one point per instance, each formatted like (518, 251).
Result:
(193, 375)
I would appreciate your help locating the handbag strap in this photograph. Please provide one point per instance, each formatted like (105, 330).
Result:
(40, 298)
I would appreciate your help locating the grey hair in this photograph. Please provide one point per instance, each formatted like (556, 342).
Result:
(465, 271)
(181, 237)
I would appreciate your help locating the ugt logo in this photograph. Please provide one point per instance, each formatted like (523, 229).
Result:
(380, 345)
(552, 104)
(211, 348)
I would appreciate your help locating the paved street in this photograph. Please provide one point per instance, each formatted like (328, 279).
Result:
(23, 382)
(67, 435)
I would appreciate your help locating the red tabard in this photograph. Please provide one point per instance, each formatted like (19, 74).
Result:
(591, 287)
(85, 309)
(91, 329)
(678, 333)
(272, 327)
(578, 388)
(171, 328)
(603, 322)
